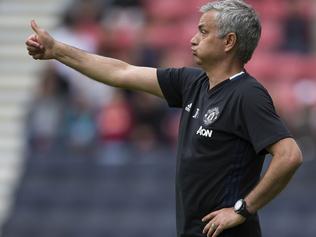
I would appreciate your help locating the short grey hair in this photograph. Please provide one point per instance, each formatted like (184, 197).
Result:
(240, 18)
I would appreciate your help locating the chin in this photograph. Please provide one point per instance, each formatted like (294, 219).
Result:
(197, 61)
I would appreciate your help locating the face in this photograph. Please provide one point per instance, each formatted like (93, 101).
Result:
(207, 47)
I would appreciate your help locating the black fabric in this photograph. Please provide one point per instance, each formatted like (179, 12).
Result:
(223, 136)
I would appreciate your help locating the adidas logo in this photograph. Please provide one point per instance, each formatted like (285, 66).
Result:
(188, 107)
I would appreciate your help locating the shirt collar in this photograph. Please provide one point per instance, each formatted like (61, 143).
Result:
(236, 75)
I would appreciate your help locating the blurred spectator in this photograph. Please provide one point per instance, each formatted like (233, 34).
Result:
(170, 128)
(44, 126)
(297, 28)
(149, 113)
(115, 123)
(81, 28)
(115, 119)
(81, 22)
(121, 38)
(144, 140)
(81, 133)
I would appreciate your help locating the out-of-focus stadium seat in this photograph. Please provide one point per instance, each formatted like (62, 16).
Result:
(71, 196)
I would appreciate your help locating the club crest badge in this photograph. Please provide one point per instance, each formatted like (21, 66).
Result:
(211, 116)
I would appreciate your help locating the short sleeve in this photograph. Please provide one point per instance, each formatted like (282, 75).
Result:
(262, 124)
(174, 81)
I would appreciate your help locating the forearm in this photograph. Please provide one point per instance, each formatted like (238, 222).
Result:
(110, 71)
(275, 179)
(102, 69)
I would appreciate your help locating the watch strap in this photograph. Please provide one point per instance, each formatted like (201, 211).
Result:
(243, 211)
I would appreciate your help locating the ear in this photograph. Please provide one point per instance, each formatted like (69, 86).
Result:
(230, 41)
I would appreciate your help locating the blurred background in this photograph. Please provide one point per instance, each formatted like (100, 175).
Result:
(78, 158)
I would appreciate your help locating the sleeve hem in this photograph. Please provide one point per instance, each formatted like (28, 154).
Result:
(260, 149)
(164, 92)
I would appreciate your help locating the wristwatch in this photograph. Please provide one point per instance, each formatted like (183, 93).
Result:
(240, 208)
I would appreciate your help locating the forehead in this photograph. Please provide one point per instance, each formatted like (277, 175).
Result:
(208, 19)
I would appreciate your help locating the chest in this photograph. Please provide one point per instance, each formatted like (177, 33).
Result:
(209, 110)
(209, 120)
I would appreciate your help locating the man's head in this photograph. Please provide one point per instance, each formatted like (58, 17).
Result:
(237, 25)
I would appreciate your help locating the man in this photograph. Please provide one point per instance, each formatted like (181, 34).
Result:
(227, 126)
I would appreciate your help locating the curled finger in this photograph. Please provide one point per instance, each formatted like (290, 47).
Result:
(211, 230)
(209, 216)
(206, 228)
(34, 52)
(33, 49)
(32, 41)
(218, 231)
(37, 56)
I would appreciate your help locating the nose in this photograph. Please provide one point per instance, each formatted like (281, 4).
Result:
(194, 40)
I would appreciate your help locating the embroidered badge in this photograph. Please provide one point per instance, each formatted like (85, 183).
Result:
(211, 116)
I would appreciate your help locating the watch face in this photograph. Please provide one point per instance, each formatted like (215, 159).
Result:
(238, 205)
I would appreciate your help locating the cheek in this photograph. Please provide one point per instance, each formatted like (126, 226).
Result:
(205, 47)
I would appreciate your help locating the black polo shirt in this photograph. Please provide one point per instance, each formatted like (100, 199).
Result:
(221, 147)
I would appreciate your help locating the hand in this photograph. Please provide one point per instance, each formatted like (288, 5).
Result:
(40, 45)
(220, 220)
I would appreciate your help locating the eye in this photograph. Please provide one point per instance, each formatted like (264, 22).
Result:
(203, 31)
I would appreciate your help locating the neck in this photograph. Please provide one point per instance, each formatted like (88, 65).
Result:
(221, 72)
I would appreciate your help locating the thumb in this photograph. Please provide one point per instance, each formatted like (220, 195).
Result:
(35, 27)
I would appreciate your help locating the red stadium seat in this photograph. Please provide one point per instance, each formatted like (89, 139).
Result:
(166, 9)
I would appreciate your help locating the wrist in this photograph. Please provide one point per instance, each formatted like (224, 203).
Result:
(250, 207)
(57, 50)
(241, 208)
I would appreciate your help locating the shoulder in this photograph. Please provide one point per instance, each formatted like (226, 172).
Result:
(192, 71)
(184, 76)
(192, 75)
(249, 87)
(183, 72)
(253, 96)
(249, 82)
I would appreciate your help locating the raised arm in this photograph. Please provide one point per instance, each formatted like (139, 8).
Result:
(113, 72)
